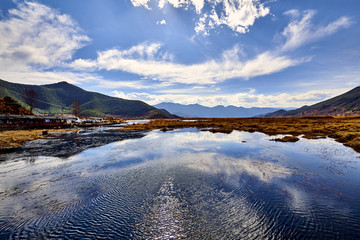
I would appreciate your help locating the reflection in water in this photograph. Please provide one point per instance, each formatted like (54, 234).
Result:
(232, 168)
(165, 217)
(181, 184)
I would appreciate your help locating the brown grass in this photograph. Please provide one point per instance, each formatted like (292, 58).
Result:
(286, 139)
(14, 138)
(343, 129)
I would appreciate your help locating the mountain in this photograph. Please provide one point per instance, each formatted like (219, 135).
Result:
(347, 104)
(59, 98)
(196, 110)
(277, 113)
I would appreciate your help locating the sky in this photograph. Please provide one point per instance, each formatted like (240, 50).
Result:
(250, 53)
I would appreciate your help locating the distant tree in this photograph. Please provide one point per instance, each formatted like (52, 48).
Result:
(30, 98)
(76, 108)
(10, 106)
(91, 113)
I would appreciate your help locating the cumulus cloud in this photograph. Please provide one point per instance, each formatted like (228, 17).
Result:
(148, 60)
(35, 34)
(301, 30)
(238, 15)
(34, 38)
(245, 99)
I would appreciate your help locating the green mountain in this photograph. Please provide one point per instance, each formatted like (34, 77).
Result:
(59, 98)
(347, 104)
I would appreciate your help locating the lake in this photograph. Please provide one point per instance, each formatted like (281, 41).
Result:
(182, 184)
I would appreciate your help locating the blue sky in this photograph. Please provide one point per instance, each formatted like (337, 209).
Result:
(251, 53)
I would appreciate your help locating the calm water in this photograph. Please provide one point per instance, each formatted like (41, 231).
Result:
(184, 184)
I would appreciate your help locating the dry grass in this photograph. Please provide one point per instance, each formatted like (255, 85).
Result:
(286, 139)
(13, 138)
(343, 129)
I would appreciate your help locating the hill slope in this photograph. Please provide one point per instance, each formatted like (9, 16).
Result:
(196, 110)
(59, 97)
(344, 104)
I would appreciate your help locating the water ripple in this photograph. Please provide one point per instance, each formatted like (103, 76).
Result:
(182, 185)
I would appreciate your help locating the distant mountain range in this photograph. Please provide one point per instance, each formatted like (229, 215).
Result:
(59, 98)
(347, 104)
(196, 110)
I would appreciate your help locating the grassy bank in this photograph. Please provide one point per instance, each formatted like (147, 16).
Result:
(14, 138)
(343, 129)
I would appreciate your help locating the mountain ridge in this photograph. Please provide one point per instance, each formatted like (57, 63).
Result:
(346, 104)
(59, 97)
(197, 110)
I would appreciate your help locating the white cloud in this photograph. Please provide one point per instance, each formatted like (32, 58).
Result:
(201, 90)
(35, 34)
(201, 26)
(350, 78)
(301, 30)
(246, 99)
(134, 84)
(162, 22)
(148, 60)
(199, 4)
(43, 77)
(143, 3)
(238, 15)
(82, 64)
(34, 38)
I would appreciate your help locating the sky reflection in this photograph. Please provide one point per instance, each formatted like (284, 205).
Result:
(242, 175)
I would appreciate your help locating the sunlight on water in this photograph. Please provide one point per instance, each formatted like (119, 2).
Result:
(181, 184)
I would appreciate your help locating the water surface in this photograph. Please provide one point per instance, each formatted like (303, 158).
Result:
(183, 184)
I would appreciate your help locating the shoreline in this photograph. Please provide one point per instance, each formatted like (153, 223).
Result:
(10, 139)
(345, 130)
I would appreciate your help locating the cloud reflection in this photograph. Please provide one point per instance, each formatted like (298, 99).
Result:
(183, 168)
(232, 168)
